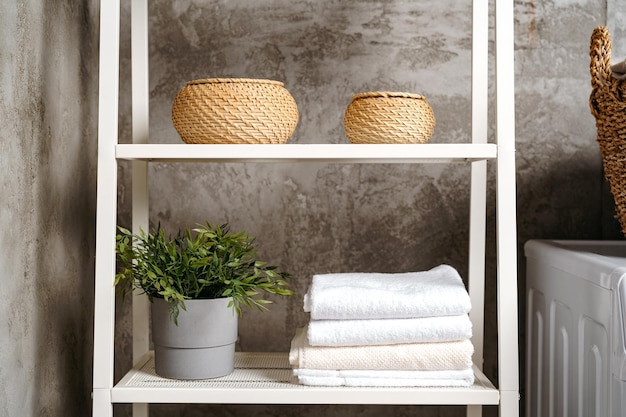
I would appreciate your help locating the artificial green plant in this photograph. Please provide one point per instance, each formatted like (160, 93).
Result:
(206, 262)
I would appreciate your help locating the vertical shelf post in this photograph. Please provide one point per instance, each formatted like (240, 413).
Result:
(478, 195)
(508, 366)
(140, 127)
(106, 207)
(140, 133)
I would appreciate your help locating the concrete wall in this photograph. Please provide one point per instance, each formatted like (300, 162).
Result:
(48, 104)
(307, 218)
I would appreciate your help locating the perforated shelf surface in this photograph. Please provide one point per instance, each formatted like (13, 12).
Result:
(269, 370)
(266, 378)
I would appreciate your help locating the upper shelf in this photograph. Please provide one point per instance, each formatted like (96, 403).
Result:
(351, 153)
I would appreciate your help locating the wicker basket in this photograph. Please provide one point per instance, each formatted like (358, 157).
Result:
(234, 110)
(608, 106)
(387, 117)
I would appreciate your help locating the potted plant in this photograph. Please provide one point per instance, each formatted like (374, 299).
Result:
(197, 282)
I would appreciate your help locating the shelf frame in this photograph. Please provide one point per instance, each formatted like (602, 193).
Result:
(477, 153)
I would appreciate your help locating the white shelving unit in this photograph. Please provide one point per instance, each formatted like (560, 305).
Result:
(265, 378)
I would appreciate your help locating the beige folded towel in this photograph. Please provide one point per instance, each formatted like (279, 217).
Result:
(409, 356)
(364, 378)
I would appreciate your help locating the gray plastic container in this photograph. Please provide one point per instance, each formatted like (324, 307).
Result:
(201, 346)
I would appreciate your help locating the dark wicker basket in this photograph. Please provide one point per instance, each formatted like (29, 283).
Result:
(608, 106)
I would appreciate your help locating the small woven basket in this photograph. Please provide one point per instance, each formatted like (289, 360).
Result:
(234, 110)
(388, 117)
(608, 105)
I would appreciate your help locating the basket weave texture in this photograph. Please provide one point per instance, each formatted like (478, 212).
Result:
(389, 117)
(608, 106)
(234, 110)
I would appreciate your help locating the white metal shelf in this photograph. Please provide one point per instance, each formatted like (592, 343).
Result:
(266, 378)
(347, 153)
(274, 383)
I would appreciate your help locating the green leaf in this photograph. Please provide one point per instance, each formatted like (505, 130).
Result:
(206, 262)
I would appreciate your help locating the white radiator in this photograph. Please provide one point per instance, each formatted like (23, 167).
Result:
(575, 339)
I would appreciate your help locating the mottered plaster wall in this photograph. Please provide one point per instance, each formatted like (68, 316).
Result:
(307, 218)
(48, 115)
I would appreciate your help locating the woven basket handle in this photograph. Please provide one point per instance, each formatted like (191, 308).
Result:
(600, 53)
(600, 66)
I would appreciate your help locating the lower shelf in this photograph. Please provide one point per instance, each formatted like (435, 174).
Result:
(266, 378)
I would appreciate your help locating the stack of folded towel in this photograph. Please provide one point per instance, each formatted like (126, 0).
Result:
(369, 329)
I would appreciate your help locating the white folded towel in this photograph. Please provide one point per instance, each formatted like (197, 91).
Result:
(368, 378)
(437, 292)
(389, 331)
(408, 356)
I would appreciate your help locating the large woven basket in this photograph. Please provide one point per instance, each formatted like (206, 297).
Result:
(234, 110)
(608, 106)
(389, 117)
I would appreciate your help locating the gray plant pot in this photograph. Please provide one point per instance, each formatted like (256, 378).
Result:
(201, 346)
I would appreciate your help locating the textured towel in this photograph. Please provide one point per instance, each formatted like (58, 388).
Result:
(365, 378)
(389, 331)
(437, 292)
(409, 356)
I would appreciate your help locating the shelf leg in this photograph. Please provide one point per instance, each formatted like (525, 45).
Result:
(106, 209)
(140, 133)
(507, 287)
(140, 410)
(509, 404)
(474, 411)
(476, 276)
(478, 196)
(102, 406)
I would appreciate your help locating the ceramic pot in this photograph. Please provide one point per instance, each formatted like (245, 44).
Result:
(201, 346)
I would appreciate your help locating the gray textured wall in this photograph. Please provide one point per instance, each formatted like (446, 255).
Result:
(307, 218)
(48, 104)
